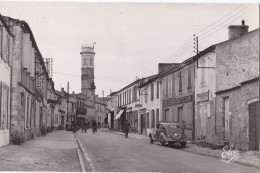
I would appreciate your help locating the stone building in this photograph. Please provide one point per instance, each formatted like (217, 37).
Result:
(150, 112)
(150, 101)
(178, 95)
(128, 105)
(227, 90)
(112, 109)
(23, 81)
(101, 110)
(6, 63)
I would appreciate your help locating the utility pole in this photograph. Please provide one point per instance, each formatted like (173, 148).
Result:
(68, 102)
(196, 50)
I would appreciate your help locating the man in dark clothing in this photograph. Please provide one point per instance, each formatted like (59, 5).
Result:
(94, 127)
(126, 128)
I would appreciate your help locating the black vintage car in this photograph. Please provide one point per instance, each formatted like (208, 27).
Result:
(169, 132)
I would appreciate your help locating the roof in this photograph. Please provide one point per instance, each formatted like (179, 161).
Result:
(6, 26)
(26, 27)
(137, 81)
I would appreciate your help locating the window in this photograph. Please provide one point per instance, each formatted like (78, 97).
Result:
(152, 119)
(134, 93)
(166, 87)
(145, 95)
(84, 61)
(189, 79)
(91, 61)
(157, 89)
(157, 115)
(152, 91)
(173, 85)
(180, 81)
(129, 96)
(147, 120)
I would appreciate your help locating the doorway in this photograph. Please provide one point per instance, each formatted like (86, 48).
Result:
(253, 126)
(143, 124)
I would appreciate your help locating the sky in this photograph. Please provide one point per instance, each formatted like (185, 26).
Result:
(131, 38)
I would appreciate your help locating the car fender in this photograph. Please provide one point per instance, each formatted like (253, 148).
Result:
(163, 136)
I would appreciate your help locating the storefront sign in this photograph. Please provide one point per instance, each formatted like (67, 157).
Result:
(138, 105)
(203, 97)
(176, 101)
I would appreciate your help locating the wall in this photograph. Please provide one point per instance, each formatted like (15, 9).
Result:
(239, 99)
(205, 88)
(150, 105)
(171, 92)
(5, 78)
(237, 60)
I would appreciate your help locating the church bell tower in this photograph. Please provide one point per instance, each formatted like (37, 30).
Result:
(87, 73)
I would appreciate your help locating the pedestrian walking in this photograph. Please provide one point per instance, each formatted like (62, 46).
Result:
(94, 126)
(126, 128)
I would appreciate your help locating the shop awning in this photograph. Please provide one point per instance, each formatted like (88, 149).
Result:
(119, 114)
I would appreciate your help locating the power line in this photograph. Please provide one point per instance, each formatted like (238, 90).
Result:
(244, 12)
(214, 25)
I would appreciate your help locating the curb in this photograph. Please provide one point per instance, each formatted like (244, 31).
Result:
(82, 165)
(89, 165)
(219, 157)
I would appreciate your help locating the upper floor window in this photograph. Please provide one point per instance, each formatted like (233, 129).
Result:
(180, 81)
(189, 80)
(157, 89)
(152, 91)
(145, 95)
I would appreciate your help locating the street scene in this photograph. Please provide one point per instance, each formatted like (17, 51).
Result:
(129, 87)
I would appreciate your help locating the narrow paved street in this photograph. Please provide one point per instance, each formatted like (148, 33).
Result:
(111, 152)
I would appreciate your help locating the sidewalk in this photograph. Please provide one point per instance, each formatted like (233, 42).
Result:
(247, 158)
(54, 152)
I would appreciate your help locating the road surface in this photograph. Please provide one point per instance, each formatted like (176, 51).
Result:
(114, 153)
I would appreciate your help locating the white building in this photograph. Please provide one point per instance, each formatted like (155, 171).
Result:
(6, 39)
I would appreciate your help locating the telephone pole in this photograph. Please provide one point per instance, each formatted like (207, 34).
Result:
(68, 102)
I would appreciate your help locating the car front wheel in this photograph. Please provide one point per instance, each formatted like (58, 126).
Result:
(161, 142)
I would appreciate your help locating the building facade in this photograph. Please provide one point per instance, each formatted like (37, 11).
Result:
(149, 114)
(227, 91)
(6, 61)
(112, 109)
(101, 111)
(178, 95)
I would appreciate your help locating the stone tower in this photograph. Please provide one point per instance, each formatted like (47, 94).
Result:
(87, 73)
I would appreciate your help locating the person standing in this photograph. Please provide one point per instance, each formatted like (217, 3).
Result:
(94, 126)
(126, 128)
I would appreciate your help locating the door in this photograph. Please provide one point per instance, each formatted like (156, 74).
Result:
(227, 119)
(142, 124)
(203, 113)
(112, 120)
(253, 126)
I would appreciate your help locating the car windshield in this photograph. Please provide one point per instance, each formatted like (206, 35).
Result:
(176, 126)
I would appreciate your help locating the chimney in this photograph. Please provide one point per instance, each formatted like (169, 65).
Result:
(237, 30)
(62, 90)
(73, 92)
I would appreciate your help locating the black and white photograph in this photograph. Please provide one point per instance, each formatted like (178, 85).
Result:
(128, 86)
